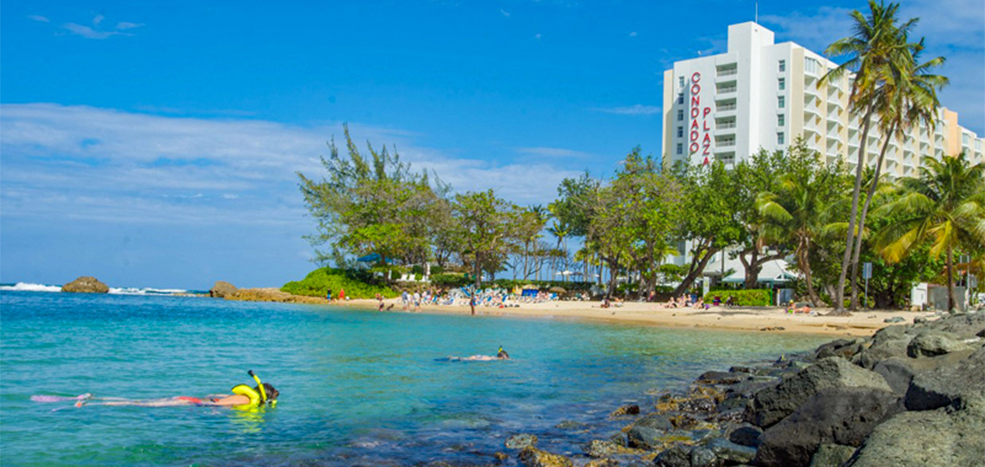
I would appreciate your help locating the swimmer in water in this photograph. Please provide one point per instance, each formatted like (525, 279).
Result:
(501, 355)
(243, 395)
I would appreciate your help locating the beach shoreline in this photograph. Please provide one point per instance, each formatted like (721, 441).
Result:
(758, 319)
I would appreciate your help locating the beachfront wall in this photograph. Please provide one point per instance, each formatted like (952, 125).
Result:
(762, 95)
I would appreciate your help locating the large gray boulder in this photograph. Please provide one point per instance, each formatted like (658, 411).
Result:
(533, 457)
(222, 289)
(773, 404)
(962, 325)
(955, 386)
(938, 438)
(85, 284)
(844, 415)
(831, 455)
(886, 345)
(843, 348)
(931, 343)
(674, 456)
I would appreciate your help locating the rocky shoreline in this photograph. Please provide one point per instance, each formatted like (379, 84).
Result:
(911, 395)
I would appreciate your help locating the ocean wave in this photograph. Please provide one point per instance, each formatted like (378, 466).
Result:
(145, 291)
(28, 287)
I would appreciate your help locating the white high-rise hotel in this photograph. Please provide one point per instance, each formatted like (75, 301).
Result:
(761, 95)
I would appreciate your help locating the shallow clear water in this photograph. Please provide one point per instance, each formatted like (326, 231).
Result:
(357, 387)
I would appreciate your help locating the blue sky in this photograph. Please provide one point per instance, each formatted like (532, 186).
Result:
(157, 145)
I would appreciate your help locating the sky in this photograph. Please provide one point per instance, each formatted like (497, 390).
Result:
(158, 144)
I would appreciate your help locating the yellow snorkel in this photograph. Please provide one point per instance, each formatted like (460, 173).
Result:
(263, 393)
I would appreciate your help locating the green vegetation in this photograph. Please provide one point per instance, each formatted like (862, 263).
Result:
(752, 297)
(357, 284)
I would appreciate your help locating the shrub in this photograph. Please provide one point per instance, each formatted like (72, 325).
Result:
(357, 284)
(751, 297)
(449, 280)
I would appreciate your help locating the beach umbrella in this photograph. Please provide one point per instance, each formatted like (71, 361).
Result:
(370, 258)
(557, 290)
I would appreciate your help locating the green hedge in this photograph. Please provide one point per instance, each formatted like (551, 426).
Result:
(751, 297)
(449, 280)
(357, 284)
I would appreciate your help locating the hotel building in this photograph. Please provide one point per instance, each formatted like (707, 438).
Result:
(761, 95)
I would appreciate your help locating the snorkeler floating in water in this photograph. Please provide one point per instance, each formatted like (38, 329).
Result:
(242, 396)
(501, 355)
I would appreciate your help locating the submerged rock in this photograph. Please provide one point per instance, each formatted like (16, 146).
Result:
(521, 441)
(600, 448)
(85, 284)
(630, 409)
(773, 404)
(533, 457)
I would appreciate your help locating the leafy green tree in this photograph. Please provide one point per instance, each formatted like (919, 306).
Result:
(945, 205)
(373, 204)
(760, 173)
(797, 211)
(485, 228)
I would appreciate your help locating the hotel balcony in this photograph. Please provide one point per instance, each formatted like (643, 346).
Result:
(725, 128)
(726, 75)
(725, 109)
(726, 93)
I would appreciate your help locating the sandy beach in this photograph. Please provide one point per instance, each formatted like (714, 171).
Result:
(764, 319)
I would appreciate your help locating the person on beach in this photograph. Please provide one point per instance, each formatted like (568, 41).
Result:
(328, 295)
(341, 295)
(417, 301)
(405, 298)
(213, 400)
(379, 299)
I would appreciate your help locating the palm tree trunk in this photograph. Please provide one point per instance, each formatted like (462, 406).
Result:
(803, 257)
(849, 241)
(865, 211)
(952, 301)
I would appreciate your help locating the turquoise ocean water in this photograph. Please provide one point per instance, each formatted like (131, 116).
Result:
(357, 387)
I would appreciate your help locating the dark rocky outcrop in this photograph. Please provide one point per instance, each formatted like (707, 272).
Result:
(630, 409)
(932, 343)
(938, 438)
(843, 348)
(842, 415)
(222, 289)
(955, 386)
(746, 435)
(533, 457)
(831, 455)
(602, 448)
(649, 432)
(85, 284)
(773, 404)
(675, 456)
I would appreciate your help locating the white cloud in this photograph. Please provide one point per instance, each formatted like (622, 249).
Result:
(90, 33)
(39, 18)
(637, 109)
(98, 19)
(504, 12)
(77, 162)
(537, 36)
(554, 152)
(633, 34)
(127, 25)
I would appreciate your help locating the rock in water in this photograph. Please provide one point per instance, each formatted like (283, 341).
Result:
(521, 441)
(631, 409)
(533, 457)
(85, 284)
(222, 289)
(675, 456)
(649, 432)
(843, 416)
(773, 404)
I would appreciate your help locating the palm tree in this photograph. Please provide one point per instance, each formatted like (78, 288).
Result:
(945, 205)
(561, 231)
(908, 99)
(795, 214)
(876, 40)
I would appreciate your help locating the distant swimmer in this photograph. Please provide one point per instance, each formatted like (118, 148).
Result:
(242, 396)
(501, 355)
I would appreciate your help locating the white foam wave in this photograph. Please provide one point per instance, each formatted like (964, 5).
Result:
(28, 287)
(144, 291)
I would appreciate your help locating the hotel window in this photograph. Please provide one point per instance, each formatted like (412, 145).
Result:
(680, 148)
(681, 80)
(783, 66)
(680, 115)
(781, 102)
(680, 132)
(782, 83)
(779, 138)
(680, 98)
(780, 120)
